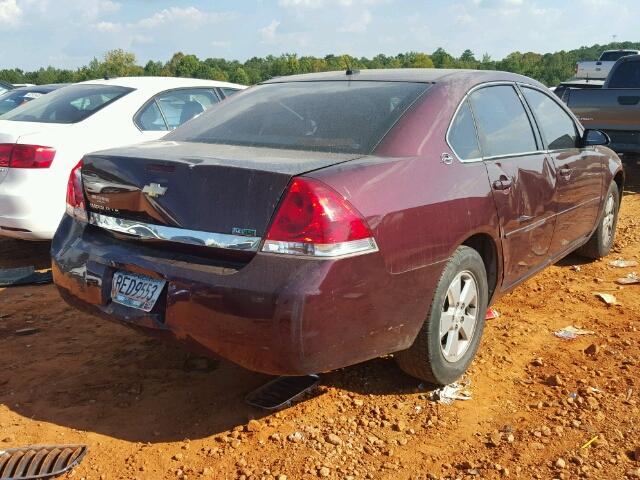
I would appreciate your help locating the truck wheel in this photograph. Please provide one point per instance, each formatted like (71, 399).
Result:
(601, 241)
(449, 338)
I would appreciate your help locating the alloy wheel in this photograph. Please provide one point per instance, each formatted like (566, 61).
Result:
(608, 220)
(459, 316)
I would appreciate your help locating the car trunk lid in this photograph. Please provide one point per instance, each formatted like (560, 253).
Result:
(191, 190)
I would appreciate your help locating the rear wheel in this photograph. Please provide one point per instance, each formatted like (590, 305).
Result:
(449, 338)
(601, 240)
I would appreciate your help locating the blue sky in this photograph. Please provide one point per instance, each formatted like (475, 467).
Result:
(69, 33)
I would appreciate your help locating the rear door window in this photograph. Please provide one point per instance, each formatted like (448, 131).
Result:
(169, 110)
(503, 124)
(68, 105)
(558, 129)
(462, 134)
(626, 75)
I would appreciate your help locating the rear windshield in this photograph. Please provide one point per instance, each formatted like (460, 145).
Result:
(613, 56)
(15, 98)
(68, 105)
(329, 116)
(626, 75)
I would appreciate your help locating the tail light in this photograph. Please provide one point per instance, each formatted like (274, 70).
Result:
(76, 206)
(315, 220)
(26, 156)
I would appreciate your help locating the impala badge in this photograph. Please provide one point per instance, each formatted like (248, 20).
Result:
(154, 190)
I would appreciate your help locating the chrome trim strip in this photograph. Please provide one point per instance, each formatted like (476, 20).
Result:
(148, 231)
(319, 250)
(544, 220)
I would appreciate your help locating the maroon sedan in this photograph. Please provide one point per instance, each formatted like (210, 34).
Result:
(317, 221)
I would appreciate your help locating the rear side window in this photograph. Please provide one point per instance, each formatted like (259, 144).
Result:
(503, 124)
(557, 126)
(227, 92)
(169, 110)
(15, 98)
(626, 75)
(329, 116)
(613, 56)
(462, 134)
(68, 105)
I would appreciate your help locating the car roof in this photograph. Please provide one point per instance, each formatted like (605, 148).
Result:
(421, 75)
(160, 83)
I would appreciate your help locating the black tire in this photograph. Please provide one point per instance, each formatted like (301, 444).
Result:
(425, 359)
(599, 245)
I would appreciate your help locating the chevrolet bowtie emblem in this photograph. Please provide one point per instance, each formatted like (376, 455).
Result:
(154, 190)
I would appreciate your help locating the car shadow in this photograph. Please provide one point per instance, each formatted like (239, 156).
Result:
(89, 374)
(20, 253)
(632, 175)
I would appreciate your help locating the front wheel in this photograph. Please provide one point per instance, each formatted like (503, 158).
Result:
(449, 338)
(601, 241)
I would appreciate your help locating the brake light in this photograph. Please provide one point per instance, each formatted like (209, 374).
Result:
(76, 206)
(315, 220)
(5, 154)
(26, 156)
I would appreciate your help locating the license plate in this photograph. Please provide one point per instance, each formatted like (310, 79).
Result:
(136, 291)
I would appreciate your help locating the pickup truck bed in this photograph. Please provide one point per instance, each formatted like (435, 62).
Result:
(599, 69)
(615, 108)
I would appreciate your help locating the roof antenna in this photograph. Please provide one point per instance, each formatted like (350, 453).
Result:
(350, 71)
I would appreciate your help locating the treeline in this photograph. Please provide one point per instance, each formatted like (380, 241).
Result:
(549, 68)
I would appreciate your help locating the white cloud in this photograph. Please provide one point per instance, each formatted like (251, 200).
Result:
(92, 9)
(269, 32)
(312, 4)
(221, 43)
(316, 4)
(10, 13)
(174, 14)
(108, 27)
(359, 25)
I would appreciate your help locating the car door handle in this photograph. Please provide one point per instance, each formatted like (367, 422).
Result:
(628, 100)
(565, 173)
(502, 184)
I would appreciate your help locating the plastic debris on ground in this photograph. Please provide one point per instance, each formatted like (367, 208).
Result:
(450, 393)
(576, 268)
(623, 263)
(12, 277)
(631, 279)
(571, 332)
(588, 444)
(606, 298)
(491, 314)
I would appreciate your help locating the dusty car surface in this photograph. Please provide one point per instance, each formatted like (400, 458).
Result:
(320, 220)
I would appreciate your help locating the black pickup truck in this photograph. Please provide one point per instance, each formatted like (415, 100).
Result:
(614, 108)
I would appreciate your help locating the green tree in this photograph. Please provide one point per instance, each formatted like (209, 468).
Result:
(441, 59)
(118, 63)
(240, 76)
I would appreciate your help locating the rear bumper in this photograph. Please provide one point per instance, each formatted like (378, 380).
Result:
(278, 315)
(31, 205)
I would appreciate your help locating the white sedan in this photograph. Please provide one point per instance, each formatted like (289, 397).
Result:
(42, 141)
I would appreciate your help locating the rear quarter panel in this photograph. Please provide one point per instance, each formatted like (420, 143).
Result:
(419, 208)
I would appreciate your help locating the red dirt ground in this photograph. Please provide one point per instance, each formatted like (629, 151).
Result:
(83, 380)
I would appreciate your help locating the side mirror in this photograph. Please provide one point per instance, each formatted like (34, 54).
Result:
(591, 138)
